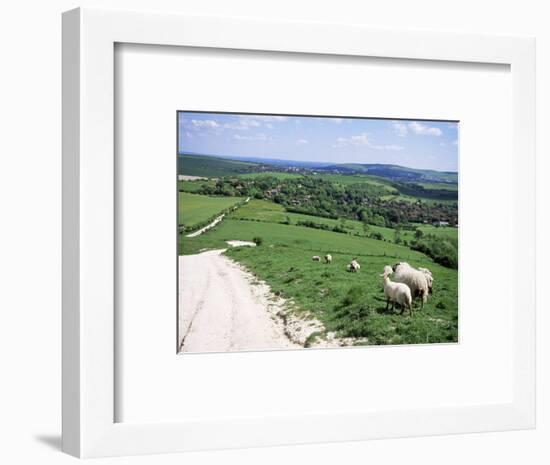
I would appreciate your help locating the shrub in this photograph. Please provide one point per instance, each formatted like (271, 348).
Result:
(442, 251)
(257, 240)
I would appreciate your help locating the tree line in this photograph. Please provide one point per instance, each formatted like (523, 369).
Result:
(320, 197)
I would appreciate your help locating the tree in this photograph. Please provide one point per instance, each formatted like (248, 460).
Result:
(397, 236)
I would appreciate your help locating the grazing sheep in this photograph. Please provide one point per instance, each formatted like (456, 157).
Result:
(316, 258)
(354, 266)
(328, 258)
(416, 280)
(429, 278)
(396, 293)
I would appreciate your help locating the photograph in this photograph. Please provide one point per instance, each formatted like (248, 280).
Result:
(313, 231)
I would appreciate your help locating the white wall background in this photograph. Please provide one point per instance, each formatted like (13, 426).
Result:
(30, 225)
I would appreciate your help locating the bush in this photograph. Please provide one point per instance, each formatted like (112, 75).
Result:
(257, 240)
(442, 251)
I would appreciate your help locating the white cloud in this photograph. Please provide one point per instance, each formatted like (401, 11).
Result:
(259, 136)
(422, 129)
(363, 140)
(455, 142)
(188, 134)
(389, 147)
(302, 142)
(246, 122)
(400, 129)
(204, 123)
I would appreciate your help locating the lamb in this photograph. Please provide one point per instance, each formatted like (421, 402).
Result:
(429, 278)
(416, 280)
(396, 293)
(328, 258)
(354, 266)
(316, 258)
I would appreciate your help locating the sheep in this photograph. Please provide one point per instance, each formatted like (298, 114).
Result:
(354, 266)
(328, 258)
(416, 280)
(396, 293)
(429, 278)
(316, 258)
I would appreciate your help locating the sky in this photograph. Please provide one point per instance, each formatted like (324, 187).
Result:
(411, 143)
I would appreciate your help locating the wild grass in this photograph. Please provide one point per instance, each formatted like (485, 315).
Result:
(196, 209)
(352, 304)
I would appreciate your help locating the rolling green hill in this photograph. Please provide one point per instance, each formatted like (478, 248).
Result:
(349, 304)
(196, 210)
(396, 172)
(199, 165)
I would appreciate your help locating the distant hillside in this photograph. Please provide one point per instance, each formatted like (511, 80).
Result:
(195, 164)
(281, 162)
(207, 166)
(395, 172)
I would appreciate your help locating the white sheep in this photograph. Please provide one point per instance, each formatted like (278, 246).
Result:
(396, 293)
(354, 266)
(416, 280)
(429, 278)
(328, 258)
(316, 258)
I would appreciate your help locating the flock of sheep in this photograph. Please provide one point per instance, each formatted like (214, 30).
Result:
(408, 283)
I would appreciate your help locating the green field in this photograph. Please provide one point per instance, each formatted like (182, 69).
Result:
(274, 174)
(312, 240)
(194, 186)
(350, 304)
(412, 199)
(194, 210)
(349, 179)
(262, 210)
(194, 165)
(439, 186)
(400, 191)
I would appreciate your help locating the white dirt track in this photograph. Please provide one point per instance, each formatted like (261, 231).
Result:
(220, 310)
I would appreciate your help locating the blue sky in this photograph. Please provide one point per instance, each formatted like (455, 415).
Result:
(416, 144)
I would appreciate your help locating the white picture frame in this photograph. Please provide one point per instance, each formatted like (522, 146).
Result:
(89, 37)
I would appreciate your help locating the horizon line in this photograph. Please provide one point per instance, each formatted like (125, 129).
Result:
(310, 162)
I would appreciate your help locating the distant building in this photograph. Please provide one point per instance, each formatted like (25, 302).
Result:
(440, 223)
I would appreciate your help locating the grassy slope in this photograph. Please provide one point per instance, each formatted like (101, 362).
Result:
(358, 179)
(350, 304)
(444, 232)
(194, 165)
(440, 186)
(412, 199)
(262, 210)
(193, 186)
(274, 174)
(194, 209)
(313, 240)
